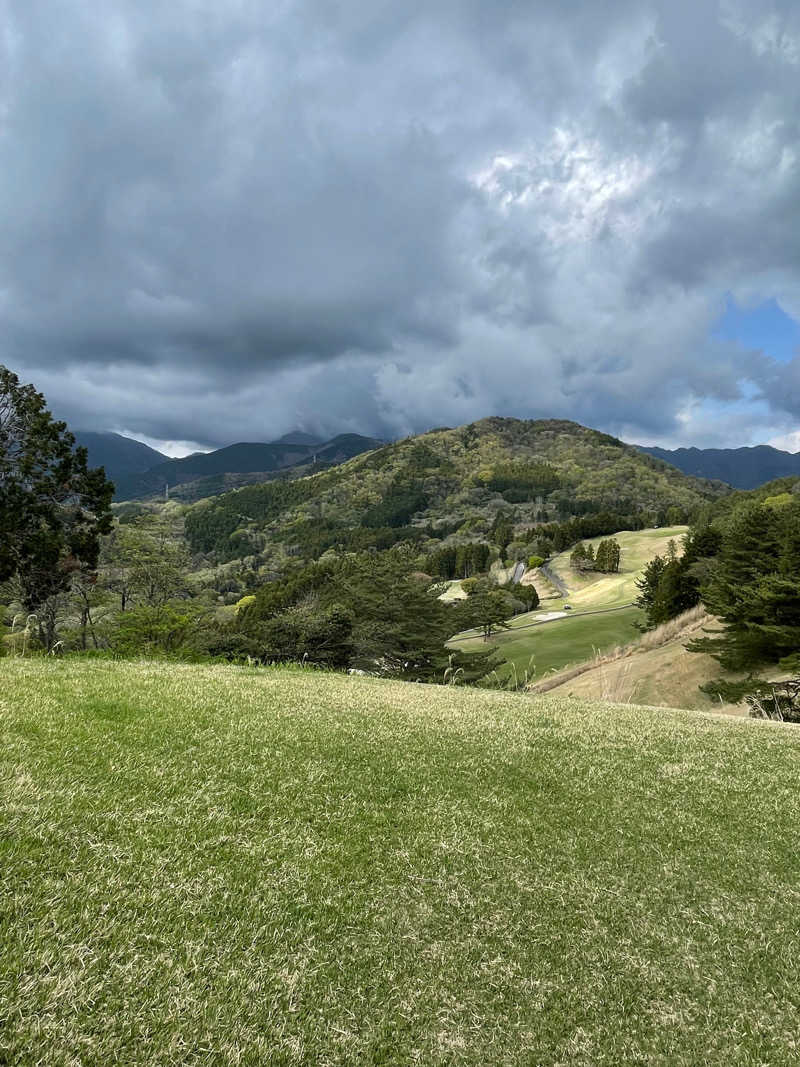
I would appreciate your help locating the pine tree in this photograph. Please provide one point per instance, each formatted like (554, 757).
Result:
(754, 588)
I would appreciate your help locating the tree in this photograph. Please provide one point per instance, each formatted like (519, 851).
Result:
(582, 557)
(753, 588)
(397, 625)
(489, 610)
(608, 556)
(528, 595)
(53, 509)
(144, 564)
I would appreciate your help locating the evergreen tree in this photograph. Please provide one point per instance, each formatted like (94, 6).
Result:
(754, 588)
(577, 557)
(53, 509)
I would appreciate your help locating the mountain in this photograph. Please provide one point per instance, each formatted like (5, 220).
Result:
(121, 456)
(297, 437)
(208, 473)
(743, 468)
(450, 482)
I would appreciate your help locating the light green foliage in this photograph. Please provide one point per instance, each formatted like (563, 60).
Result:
(780, 500)
(481, 480)
(216, 865)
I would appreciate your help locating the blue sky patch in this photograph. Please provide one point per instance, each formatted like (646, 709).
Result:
(765, 327)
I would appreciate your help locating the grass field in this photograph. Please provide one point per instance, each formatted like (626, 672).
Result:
(539, 650)
(592, 592)
(554, 645)
(207, 865)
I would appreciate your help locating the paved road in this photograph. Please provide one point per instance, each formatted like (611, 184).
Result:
(554, 580)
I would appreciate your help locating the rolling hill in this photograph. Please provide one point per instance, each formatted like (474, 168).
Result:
(601, 612)
(207, 473)
(451, 482)
(743, 468)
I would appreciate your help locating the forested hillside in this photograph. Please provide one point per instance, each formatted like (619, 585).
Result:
(462, 482)
(207, 473)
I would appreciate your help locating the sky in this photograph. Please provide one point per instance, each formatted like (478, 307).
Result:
(222, 220)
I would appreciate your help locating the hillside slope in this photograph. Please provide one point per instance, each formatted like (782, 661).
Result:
(451, 481)
(743, 468)
(121, 456)
(238, 866)
(243, 463)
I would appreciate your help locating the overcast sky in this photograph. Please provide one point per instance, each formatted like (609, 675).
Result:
(224, 219)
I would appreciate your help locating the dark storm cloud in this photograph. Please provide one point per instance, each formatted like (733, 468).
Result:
(223, 220)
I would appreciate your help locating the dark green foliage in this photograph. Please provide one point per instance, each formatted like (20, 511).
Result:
(734, 692)
(487, 610)
(753, 587)
(607, 558)
(53, 509)
(671, 586)
(309, 631)
(398, 625)
(563, 534)
(402, 500)
(209, 525)
(458, 561)
(502, 531)
(528, 595)
(522, 481)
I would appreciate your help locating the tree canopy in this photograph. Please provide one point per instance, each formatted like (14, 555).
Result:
(53, 509)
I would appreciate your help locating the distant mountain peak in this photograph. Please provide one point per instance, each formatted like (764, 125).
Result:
(299, 437)
(120, 456)
(743, 468)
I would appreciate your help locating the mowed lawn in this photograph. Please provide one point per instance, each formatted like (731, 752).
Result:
(539, 650)
(212, 865)
(532, 651)
(594, 591)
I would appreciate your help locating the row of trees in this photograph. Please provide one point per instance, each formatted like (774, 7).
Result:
(606, 560)
(459, 561)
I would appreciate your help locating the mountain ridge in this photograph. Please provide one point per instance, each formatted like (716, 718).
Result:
(247, 461)
(747, 467)
(458, 481)
(120, 456)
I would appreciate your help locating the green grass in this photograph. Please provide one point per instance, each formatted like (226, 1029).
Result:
(561, 643)
(208, 865)
(592, 592)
